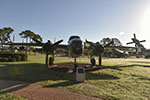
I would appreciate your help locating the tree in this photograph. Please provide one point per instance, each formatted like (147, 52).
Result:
(38, 37)
(105, 41)
(5, 35)
(116, 42)
(28, 34)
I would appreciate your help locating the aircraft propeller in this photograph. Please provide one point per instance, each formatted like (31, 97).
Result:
(143, 41)
(137, 43)
(97, 49)
(134, 36)
(49, 48)
(135, 40)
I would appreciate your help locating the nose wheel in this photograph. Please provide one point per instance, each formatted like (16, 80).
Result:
(93, 62)
(51, 60)
(48, 61)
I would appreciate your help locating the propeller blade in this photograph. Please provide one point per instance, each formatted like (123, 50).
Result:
(37, 41)
(56, 43)
(130, 43)
(143, 41)
(134, 35)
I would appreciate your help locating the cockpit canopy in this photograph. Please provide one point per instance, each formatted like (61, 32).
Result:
(74, 37)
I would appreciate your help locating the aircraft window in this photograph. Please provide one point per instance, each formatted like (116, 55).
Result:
(72, 37)
(77, 42)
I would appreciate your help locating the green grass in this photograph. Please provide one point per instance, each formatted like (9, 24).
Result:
(10, 96)
(120, 79)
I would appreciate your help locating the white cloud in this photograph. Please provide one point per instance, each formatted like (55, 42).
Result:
(122, 33)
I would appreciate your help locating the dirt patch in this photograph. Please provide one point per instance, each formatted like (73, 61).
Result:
(68, 67)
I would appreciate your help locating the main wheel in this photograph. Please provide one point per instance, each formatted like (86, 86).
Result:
(93, 62)
(51, 60)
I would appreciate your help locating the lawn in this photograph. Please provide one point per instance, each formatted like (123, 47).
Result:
(10, 96)
(119, 79)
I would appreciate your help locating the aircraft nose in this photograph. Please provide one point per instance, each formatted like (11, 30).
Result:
(78, 50)
(77, 47)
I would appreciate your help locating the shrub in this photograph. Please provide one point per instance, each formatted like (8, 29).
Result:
(18, 57)
(23, 57)
(3, 59)
(12, 59)
(13, 56)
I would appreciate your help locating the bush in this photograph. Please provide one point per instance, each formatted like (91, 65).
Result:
(12, 59)
(18, 57)
(13, 56)
(3, 59)
(23, 57)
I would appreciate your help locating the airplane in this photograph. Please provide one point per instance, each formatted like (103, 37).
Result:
(118, 51)
(140, 49)
(137, 42)
(114, 52)
(75, 48)
(47, 47)
(94, 49)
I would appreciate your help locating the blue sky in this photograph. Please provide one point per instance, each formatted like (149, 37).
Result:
(91, 19)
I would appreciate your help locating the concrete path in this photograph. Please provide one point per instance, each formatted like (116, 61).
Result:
(33, 91)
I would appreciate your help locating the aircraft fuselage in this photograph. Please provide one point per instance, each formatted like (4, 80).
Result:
(75, 46)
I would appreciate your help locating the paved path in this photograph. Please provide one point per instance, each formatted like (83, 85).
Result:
(38, 92)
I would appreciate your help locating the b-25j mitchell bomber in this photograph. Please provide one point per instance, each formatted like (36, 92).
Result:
(75, 48)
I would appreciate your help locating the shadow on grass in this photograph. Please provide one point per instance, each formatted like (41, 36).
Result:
(35, 72)
(144, 62)
(113, 67)
(119, 67)
(144, 78)
(139, 65)
(101, 76)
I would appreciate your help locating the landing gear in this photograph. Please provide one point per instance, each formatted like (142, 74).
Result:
(75, 65)
(51, 60)
(93, 62)
(48, 61)
(100, 59)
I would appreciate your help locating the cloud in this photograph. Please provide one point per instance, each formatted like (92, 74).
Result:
(122, 33)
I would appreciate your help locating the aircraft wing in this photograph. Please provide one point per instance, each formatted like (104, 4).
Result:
(119, 47)
(129, 42)
(62, 47)
(25, 44)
